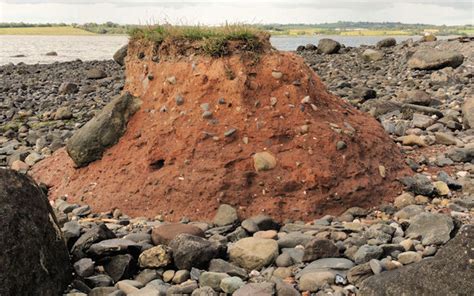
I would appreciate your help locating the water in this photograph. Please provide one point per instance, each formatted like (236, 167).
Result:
(103, 47)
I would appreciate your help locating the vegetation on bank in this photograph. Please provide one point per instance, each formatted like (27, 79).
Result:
(210, 40)
(65, 30)
(339, 28)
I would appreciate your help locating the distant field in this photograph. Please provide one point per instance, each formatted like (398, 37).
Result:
(44, 31)
(374, 33)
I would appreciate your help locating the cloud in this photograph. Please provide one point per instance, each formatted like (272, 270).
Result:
(254, 11)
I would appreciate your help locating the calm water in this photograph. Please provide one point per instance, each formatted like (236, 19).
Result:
(103, 47)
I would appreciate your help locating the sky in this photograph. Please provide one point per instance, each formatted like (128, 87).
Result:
(191, 12)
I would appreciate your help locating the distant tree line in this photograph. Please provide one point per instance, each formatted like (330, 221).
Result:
(28, 25)
(323, 28)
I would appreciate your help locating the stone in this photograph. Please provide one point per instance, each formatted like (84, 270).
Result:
(63, 113)
(256, 289)
(264, 161)
(270, 234)
(180, 276)
(327, 263)
(441, 188)
(51, 53)
(155, 257)
(119, 55)
(434, 59)
(403, 200)
(328, 46)
(411, 140)
(204, 291)
(428, 37)
(359, 273)
(102, 291)
(408, 212)
(284, 260)
(231, 284)
(102, 131)
(33, 158)
(445, 138)
(320, 248)
(93, 235)
(95, 73)
(100, 280)
(416, 97)
(433, 228)
(422, 121)
(409, 257)
(313, 281)
(168, 275)
(419, 184)
(113, 246)
(68, 88)
(219, 265)
(294, 239)
(468, 112)
(213, 280)
(372, 55)
(376, 266)
(253, 253)
(387, 42)
(192, 251)
(129, 286)
(366, 252)
(164, 234)
(225, 215)
(19, 166)
(120, 267)
(184, 288)
(449, 272)
(277, 74)
(35, 259)
(84, 267)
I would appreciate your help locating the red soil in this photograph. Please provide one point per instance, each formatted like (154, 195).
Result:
(178, 164)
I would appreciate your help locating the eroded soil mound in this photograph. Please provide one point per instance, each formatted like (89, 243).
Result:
(190, 146)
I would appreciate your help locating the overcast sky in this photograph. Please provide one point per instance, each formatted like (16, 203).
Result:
(449, 12)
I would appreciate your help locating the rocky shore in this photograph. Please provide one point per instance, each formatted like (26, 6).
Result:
(415, 245)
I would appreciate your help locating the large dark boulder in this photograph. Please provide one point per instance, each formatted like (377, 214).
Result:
(119, 55)
(102, 131)
(328, 46)
(449, 272)
(34, 259)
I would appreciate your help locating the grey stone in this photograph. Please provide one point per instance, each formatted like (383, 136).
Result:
(225, 215)
(192, 251)
(84, 267)
(213, 279)
(219, 265)
(366, 252)
(104, 130)
(256, 289)
(433, 59)
(433, 228)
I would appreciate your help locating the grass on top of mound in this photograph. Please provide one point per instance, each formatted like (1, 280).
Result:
(213, 40)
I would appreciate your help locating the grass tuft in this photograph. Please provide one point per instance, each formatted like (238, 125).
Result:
(212, 41)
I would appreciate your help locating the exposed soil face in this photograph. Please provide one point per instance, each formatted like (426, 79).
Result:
(174, 162)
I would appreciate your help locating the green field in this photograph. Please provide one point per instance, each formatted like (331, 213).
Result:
(68, 30)
(374, 33)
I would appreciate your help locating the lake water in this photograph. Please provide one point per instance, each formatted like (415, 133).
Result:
(103, 47)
